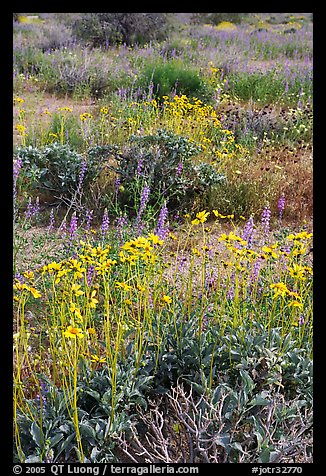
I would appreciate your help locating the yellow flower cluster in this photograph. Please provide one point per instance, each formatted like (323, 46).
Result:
(182, 106)
(140, 247)
(23, 286)
(281, 289)
(201, 217)
(85, 115)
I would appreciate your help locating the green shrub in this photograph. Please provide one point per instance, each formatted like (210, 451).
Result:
(104, 29)
(216, 18)
(163, 162)
(173, 77)
(56, 170)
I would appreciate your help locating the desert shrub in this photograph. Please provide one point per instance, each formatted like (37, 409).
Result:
(173, 76)
(45, 36)
(104, 29)
(163, 162)
(216, 18)
(57, 170)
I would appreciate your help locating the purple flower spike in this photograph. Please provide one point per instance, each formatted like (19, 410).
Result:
(32, 210)
(248, 231)
(89, 218)
(140, 165)
(82, 171)
(281, 205)
(143, 201)
(105, 223)
(51, 221)
(161, 229)
(73, 227)
(265, 219)
(179, 169)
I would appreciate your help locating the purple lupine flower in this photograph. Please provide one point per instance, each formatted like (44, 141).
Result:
(248, 231)
(89, 218)
(255, 271)
(20, 278)
(161, 229)
(281, 205)
(82, 171)
(105, 224)
(143, 202)
(117, 185)
(265, 219)
(140, 165)
(230, 293)
(64, 228)
(73, 227)
(16, 169)
(121, 223)
(51, 221)
(179, 169)
(28, 211)
(91, 272)
(301, 320)
(32, 210)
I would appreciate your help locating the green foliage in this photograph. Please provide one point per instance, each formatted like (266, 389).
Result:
(216, 18)
(104, 29)
(241, 380)
(267, 87)
(172, 76)
(55, 169)
(163, 162)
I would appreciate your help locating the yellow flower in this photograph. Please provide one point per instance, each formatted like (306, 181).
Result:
(29, 275)
(269, 252)
(72, 307)
(91, 331)
(72, 332)
(85, 115)
(66, 108)
(75, 288)
(96, 359)
(280, 289)
(232, 237)
(166, 299)
(201, 217)
(123, 286)
(35, 293)
(297, 272)
(296, 304)
(19, 100)
(104, 110)
(155, 239)
(21, 129)
(299, 236)
(93, 300)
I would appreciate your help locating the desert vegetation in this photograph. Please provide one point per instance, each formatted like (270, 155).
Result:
(162, 254)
